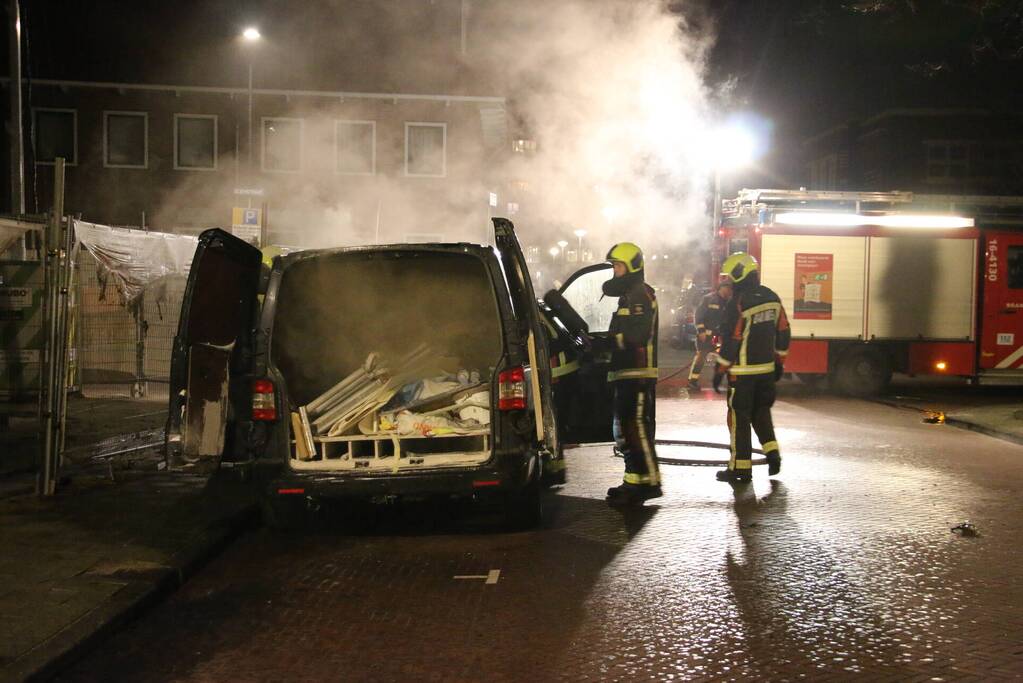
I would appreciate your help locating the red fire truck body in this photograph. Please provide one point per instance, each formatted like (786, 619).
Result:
(876, 283)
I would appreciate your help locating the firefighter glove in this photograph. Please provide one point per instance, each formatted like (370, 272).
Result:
(779, 369)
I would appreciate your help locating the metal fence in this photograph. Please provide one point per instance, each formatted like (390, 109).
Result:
(123, 349)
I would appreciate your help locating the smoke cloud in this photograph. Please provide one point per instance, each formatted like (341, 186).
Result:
(613, 92)
(615, 96)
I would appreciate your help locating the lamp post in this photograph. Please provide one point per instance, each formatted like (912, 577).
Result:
(250, 36)
(580, 234)
(734, 146)
(562, 244)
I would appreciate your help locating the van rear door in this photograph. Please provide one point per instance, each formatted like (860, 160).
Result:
(210, 357)
(524, 298)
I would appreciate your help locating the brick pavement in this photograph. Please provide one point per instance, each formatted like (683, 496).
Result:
(77, 565)
(841, 568)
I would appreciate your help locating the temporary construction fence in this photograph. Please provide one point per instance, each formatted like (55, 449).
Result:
(130, 283)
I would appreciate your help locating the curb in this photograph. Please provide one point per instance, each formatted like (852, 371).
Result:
(131, 601)
(976, 427)
(957, 422)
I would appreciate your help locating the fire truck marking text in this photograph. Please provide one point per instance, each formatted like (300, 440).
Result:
(992, 260)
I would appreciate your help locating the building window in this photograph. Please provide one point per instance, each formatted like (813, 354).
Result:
(425, 149)
(125, 139)
(195, 142)
(56, 135)
(282, 145)
(356, 147)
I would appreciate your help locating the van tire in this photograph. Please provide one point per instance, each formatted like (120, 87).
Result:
(524, 509)
(862, 372)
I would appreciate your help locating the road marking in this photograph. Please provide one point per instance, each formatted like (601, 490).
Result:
(490, 578)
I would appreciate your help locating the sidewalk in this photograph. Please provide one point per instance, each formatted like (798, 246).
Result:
(1003, 422)
(80, 565)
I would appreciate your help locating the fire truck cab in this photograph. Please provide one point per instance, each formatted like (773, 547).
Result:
(882, 282)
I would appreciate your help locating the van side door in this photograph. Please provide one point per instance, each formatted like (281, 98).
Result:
(210, 378)
(585, 415)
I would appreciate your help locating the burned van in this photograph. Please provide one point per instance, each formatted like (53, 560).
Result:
(381, 372)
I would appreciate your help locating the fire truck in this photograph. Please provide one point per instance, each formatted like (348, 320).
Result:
(876, 283)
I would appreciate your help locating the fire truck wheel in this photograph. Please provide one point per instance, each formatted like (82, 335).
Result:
(862, 372)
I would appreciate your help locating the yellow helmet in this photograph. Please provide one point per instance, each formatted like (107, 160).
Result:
(629, 254)
(738, 266)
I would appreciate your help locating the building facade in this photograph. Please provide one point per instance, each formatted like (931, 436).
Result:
(325, 167)
(928, 151)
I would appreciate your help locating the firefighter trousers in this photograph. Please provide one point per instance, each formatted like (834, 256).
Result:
(635, 424)
(700, 359)
(750, 398)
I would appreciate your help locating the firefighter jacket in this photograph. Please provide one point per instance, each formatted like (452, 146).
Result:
(633, 334)
(710, 313)
(756, 332)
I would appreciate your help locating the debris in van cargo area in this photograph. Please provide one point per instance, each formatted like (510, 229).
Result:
(375, 399)
(367, 389)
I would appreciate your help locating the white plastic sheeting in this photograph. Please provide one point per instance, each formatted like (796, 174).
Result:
(135, 258)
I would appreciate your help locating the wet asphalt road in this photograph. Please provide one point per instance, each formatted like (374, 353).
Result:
(842, 567)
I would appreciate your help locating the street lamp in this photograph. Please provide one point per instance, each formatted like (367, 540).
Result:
(580, 234)
(250, 36)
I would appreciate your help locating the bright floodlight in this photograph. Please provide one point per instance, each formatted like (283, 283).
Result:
(562, 243)
(251, 34)
(553, 251)
(853, 220)
(734, 146)
(579, 233)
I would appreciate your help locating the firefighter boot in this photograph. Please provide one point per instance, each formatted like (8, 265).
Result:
(632, 494)
(734, 476)
(773, 462)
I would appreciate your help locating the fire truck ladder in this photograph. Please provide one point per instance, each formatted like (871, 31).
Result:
(1004, 210)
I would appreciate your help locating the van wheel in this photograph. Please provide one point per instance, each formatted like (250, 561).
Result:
(862, 372)
(524, 509)
(284, 513)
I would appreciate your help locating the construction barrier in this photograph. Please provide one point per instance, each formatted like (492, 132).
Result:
(22, 334)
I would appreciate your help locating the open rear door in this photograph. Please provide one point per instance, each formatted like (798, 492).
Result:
(526, 307)
(209, 361)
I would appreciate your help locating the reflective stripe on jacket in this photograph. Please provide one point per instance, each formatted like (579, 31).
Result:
(710, 313)
(633, 334)
(757, 332)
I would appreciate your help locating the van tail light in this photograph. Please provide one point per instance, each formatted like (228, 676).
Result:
(264, 404)
(511, 393)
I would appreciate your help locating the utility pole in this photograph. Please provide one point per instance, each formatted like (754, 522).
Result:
(15, 125)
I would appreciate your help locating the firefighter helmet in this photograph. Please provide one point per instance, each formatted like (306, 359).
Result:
(629, 254)
(738, 267)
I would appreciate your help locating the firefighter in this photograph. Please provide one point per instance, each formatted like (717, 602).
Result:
(632, 341)
(709, 315)
(753, 351)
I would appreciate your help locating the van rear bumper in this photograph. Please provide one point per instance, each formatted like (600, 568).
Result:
(509, 474)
